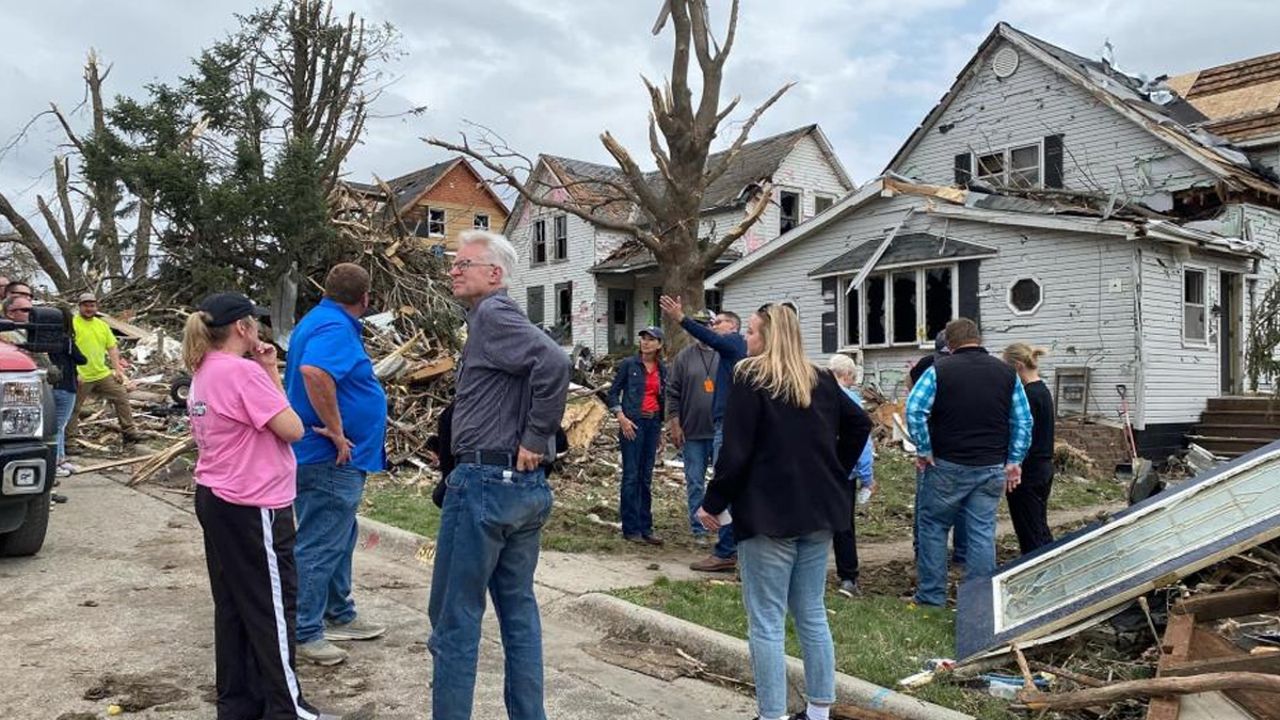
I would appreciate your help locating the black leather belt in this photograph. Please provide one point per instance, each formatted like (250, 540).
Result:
(648, 415)
(498, 458)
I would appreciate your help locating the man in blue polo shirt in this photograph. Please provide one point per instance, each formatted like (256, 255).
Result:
(330, 383)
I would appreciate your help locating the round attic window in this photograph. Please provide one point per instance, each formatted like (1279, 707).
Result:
(1005, 63)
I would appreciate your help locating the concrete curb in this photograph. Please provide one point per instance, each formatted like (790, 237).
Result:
(729, 656)
(379, 536)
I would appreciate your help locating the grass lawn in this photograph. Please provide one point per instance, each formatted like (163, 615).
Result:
(878, 639)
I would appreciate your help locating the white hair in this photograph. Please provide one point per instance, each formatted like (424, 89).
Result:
(501, 252)
(843, 365)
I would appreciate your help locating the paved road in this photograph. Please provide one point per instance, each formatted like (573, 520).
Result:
(120, 588)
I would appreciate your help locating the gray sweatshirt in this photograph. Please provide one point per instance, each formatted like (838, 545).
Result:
(687, 396)
(512, 383)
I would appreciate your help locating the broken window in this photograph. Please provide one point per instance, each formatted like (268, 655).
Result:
(904, 307)
(435, 222)
(939, 305)
(1194, 292)
(562, 237)
(852, 317)
(893, 309)
(564, 311)
(539, 254)
(991, 168)
(789, 202)
(1024, 167)
(1017, 167)
(876, 305)
(534, 305)
(821, 203)
(481, 222)
(1025, 296)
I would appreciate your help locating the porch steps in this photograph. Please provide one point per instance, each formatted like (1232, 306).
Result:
(1232, 426)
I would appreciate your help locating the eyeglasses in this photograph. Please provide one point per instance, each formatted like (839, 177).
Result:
(465, 265)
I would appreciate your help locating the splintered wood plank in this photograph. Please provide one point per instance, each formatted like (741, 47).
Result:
(1262, 705)
(1230, 603)
(1174, 647)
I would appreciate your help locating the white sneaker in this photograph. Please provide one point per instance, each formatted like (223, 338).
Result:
(63, 471)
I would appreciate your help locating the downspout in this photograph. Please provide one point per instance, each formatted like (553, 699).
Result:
(1139, 374)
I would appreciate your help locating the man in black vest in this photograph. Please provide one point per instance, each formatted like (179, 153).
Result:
(971, 424)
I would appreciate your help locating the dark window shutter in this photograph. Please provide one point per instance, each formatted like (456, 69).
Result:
(964, 169)
(829, 338)
(1053, 161)
(969, 290)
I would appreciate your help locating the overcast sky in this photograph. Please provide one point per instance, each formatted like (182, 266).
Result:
(550, 75)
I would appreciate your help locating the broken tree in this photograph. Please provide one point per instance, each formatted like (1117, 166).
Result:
(659, 210)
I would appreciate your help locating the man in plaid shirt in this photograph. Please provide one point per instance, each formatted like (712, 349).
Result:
(970, 421)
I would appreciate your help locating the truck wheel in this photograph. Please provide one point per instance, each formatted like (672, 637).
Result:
(28, 539)
(179, 390)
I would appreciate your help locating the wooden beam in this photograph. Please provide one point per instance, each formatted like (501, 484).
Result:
(1230, 603)
(1175, 647)
(1152, 687)
(1263, 663)
(1208, 644)
(112, 464)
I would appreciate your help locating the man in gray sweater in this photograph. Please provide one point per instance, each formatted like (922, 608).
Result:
(690, 389)
(510, 398)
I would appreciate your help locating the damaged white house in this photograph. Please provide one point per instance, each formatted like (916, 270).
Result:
(1061, 202)
(597, 288)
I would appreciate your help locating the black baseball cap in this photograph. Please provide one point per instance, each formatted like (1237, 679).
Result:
(226, 308)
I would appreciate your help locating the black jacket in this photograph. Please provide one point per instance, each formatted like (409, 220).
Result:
(783, 471)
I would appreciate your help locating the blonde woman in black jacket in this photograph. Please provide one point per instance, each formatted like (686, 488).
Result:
(791, 438)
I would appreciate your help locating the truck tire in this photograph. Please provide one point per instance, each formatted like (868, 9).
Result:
(180, 390)
(28, 539)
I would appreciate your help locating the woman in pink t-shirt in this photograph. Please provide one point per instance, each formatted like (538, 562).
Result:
(245, 486)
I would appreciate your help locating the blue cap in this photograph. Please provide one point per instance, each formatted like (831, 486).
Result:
(654, 332)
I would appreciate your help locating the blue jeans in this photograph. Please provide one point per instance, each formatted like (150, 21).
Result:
(328, 498)
(635, 503)
(725, 547)
(490, 526)
(781, 574)
(959, 538)
(697, 456)
(64, 401)
(950, 491)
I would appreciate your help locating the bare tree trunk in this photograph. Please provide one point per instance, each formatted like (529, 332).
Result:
(27, 237)
(142, 237)
(106, 190)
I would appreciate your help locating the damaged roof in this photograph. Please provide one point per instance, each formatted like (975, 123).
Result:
(908, 248)
(1240, 100)
(632, 256)
(755, 161)
(1156, 109)
(410, 187)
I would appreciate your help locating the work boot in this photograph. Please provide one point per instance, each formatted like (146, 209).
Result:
(368, 711)
(321, 652)
(651, 540)
(357, 629)
(712, 563)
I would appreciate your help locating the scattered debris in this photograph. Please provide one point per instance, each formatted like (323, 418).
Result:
(135, 692)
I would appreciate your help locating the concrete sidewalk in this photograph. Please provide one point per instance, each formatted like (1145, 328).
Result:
(121, 588)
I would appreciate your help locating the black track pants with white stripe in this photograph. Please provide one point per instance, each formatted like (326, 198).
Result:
(254, 580)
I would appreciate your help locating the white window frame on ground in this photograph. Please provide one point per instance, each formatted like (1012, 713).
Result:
(1198, 342)
(1008, 295)
(921, 275)
(435, 228)
(480, 222)
(1006, 171)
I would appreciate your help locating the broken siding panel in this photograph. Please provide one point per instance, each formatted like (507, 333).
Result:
(1103, 151)
(1268, 157)
(1179, 376)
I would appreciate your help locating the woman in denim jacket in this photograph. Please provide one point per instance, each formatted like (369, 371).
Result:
(636, 399)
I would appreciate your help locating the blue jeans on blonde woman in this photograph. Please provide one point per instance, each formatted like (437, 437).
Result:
(781, 575)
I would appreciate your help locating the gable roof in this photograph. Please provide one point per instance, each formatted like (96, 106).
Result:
(1130, 97)
(906, 249)
(407, 189)
(755, 161)
(1240, 100)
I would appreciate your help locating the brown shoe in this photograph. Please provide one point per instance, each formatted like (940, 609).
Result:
(711, 563)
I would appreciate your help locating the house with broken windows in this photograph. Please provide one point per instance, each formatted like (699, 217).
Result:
(1057, 201)
(596, 288)
(435, 203)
